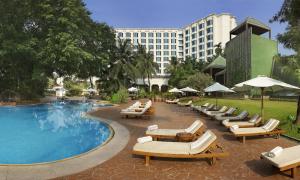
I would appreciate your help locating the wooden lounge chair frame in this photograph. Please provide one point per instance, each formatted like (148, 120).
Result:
(157, 137)
(292, 168)
(277, 132)
(209, 153)
(148, 113)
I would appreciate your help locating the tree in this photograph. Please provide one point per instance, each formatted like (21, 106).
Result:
(290, 13)
(145, 65)
(198, 81)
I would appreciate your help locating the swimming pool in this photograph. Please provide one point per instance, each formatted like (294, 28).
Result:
(48, 132)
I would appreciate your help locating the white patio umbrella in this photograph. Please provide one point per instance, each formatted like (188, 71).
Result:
(188, 89)
(264, 84)
(175, 90)
(133, 89)
(217, 87)
(90, 90)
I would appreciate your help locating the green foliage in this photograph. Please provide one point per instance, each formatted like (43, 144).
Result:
(142, 93)
(74, 88)
(120, 97)
(197, 81)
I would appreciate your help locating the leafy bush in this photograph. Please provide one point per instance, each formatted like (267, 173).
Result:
(74, 87)
(197, 81)
(142, 93)
(120, 97)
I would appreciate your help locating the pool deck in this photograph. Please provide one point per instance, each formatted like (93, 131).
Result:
(244, 161)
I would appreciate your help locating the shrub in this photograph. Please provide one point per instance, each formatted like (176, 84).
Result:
(142, 93)
(120, 97)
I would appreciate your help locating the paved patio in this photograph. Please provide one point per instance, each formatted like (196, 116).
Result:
(243, 163)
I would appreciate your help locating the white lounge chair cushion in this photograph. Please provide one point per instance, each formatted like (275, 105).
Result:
(201, 147)
(152, 127)
(287, 157)
(193, 126)
(254, 119)
(200, 141)
(275, 152)
(163, 147)
(252, 130)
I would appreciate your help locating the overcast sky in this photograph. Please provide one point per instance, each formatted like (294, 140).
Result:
(178, 13)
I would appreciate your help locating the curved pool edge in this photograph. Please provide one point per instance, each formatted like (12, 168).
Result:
(72, 165)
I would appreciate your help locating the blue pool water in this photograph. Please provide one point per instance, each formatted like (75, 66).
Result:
(48, 132)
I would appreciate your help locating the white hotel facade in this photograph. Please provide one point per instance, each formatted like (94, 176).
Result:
(196, 40)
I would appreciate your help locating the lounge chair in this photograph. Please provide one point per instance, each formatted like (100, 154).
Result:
(243, 115)
(269, 128)
(207, 108)
(204, 147)
(196, 129)
(288, 159)
(196, 107)
(185, 104)
(212, 113)
(175, 101)
(136, 111)
(254, 121)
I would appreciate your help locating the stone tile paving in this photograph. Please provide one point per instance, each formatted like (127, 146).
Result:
(243, 162)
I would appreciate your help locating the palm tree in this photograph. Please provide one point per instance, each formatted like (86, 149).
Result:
(122, 70)
(146, 66)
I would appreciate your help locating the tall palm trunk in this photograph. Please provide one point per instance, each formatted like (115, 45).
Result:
(149, 81)
(91, 83)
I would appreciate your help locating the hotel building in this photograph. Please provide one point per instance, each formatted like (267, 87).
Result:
(196, 40)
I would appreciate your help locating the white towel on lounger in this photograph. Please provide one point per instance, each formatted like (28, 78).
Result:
(234, 127)
(144, 139)
(152, 127)
(275, 152)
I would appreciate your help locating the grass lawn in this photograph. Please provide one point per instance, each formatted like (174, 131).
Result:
(272, 109)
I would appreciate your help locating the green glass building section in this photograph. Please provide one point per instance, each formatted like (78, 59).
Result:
(262, 52)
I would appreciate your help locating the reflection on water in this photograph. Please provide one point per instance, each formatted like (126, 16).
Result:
(48, 132)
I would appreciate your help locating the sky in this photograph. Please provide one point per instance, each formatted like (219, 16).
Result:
(179, 13)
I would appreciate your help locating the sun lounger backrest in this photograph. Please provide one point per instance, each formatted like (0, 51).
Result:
(223, 109)
(230, 110)
(210, 106)
(271, 125)
(255, 118)
(194, 127)
(206, 104)
(243, 114)
(203, 142)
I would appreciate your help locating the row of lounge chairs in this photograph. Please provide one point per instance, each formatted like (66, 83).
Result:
(205, 145)
(137, 109)
(242, 126)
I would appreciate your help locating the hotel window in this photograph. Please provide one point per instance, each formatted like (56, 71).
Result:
(173, 53)
(166, 53)
(186, 51)
(150, 41)
(209, 22)
(187, 44)
(128, 34)
(166, 46)
(201, 40)
(187, 31)
(150, 34)
(201, 26)
(143, 41)
(173, 34)
(209, 30)
(173, 41)
(158, 46)
(158, 59)
(158, 40)
(166, 59)
(166, 64)
(193, 29)
(143, 34)
(166, 40)
(180, 48)
(151, 47)
(158, 34)
(144, 46)
(193, 36)
(201, 47)
(166, 34)
(180, 42)
(209, 37)
(187, 38)
(209, 44)
(135, 34)
(180, 54)
(193, 55)
(151, 52)
(194, 49)
(173, 46)
(158, 53)
(181, 36)
(194, 43)
(209, 52)
(201, 33)
(135, 41)
(201, 54)
(120, 34)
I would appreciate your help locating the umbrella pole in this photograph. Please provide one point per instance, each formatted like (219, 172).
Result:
(262, 104)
